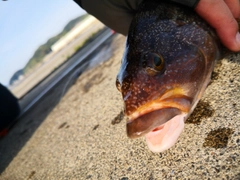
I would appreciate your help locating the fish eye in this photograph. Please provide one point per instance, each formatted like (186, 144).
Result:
(153, 63)
(158, 62)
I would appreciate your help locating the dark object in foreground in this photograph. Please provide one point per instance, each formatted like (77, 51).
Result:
(9, 109)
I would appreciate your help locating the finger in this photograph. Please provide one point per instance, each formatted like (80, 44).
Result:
(234, 7)
(219, 16)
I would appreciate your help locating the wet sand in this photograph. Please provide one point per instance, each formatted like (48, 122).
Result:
(82, 135)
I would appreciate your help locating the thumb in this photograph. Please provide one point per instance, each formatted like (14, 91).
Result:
(220, 17)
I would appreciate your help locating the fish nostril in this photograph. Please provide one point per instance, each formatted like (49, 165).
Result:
(118, 85)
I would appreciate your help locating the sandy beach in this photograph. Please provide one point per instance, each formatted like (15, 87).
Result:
(82, 135)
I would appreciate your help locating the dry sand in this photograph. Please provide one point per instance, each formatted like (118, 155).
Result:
(83, 136)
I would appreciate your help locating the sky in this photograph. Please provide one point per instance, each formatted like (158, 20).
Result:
(27, 24)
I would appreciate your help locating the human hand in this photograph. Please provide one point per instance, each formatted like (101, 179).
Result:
(222, 15)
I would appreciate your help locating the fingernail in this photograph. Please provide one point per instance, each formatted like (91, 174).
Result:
(238, 38)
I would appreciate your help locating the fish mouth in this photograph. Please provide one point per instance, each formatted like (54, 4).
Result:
(161, 128)
(166, 135)
(152, 117)
(151, 121)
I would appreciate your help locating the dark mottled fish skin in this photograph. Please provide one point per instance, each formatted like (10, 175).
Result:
(189, 48)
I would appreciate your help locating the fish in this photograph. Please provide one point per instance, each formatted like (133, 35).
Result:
(169, 56)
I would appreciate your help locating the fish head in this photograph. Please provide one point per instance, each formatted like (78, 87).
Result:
(161, 79)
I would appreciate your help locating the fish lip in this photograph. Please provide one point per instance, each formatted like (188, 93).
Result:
(176, 97)
(156, 113)
(150, 121)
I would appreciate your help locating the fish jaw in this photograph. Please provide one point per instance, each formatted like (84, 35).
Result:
(157, 112)
(166, 135)
(162, 123)
(150, 121)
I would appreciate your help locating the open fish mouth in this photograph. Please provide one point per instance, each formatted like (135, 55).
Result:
(161, 127)
(165, 136)
(156, 113)
(150, 121)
